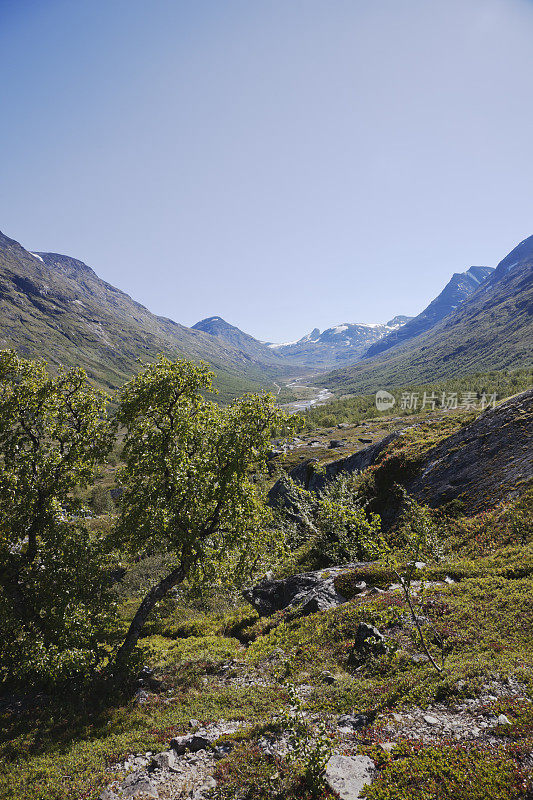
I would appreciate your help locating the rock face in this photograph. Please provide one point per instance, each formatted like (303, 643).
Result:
(484, 462)
(303, 594)
(348, 775)
(314, 481)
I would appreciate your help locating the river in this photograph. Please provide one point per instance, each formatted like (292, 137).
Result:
(318, 397)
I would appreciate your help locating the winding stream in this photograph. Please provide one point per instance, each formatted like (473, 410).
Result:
(320, 396)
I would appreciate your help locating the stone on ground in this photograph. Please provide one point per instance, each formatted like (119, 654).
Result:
(347, 775)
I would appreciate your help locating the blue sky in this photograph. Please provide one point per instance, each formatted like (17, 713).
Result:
(284, 164)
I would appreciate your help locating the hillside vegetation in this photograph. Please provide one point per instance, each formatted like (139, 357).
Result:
(57, 306)
(273, 695)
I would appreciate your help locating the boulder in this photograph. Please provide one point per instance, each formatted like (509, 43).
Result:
(368, 636)
(141, 697)
(204, 790)
(194, 742)
(146, 680)
(356, 721)
(368, 639)
(167, 760)
(303, 594)
(321, 598)
(139, 784)
(348, 775)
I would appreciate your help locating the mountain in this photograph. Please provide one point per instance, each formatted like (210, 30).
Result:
(224, 332)
(491, 329)
(456, 291)
(340, 344)
(56, 306)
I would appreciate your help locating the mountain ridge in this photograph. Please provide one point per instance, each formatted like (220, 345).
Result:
(460, 286)
(339, 344)
(491, 329)
(225, 332)
(59, 302)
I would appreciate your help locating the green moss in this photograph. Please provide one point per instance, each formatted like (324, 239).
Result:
(373, 575)
(249, 774)
(61, 752)
(417, 772)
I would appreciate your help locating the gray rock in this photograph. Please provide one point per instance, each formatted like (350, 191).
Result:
(167, 760)
(139, 784)
(222, 750)
(503, 720)
(193, 743)
(312, 591)
(355, 721)
(202, 791)
(368, 639)
(146, 679)
(320, 599)
(140, 697)
(431, 720)
(347, 775)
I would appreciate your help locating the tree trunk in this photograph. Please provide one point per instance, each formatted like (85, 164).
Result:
(152, 598)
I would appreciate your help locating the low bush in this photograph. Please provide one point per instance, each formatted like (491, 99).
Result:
(417, 772)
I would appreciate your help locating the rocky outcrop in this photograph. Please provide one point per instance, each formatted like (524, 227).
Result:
(485, 462)
(307, 476)
(302, 594)
(184, 770)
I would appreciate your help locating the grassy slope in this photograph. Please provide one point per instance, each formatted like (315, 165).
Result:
(61, 750)
(59, 308)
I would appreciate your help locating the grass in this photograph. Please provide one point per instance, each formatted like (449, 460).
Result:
(62, 750)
